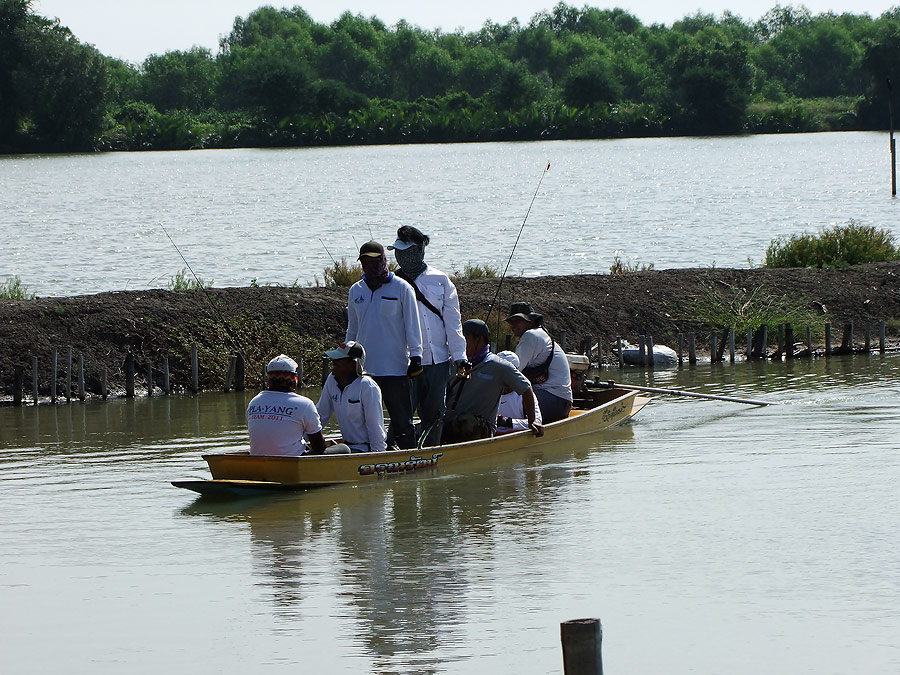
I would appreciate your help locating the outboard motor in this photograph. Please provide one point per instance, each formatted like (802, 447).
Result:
(578, 367)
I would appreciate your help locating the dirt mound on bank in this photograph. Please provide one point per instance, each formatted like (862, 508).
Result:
(105, 327)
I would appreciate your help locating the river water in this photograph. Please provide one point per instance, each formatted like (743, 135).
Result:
(709, 537)
(88, 223)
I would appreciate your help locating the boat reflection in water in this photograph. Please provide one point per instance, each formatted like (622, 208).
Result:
(403, 558)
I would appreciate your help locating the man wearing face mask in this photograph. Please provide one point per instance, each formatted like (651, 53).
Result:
(443, 343)
(382, 314)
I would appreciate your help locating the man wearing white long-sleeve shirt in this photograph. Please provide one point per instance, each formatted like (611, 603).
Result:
(443, 343)
(354, 399)
(382, 314)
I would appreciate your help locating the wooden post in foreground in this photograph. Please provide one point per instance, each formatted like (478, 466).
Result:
(581, 645)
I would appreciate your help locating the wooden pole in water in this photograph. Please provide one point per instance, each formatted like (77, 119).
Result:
(868, 342)
(581, 646)
(650, 359)
(692, 349)
(827, 339)
(69, 373)
(34, 379)
(642, 351)
(195, 369)
(847, 340)
(81, 392)
(764, 342)
(731, 345)
(239, 373)
(54, 363)
(229, 377)
(680, 348)
(780, 340)
(788, 341)
(621, 355)
(713, 346)
(129, 375)
(167, 382)
(18, 384)
(881, 337)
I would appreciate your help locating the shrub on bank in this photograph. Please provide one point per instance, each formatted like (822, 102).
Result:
(12, 289)
(838, 246)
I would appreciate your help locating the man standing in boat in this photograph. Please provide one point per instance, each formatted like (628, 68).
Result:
(439, 319)
(281, 421)
(354, 398)
(382, 315)
(473, 397)
(543, 362)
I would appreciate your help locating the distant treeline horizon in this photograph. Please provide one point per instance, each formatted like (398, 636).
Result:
(281, 79)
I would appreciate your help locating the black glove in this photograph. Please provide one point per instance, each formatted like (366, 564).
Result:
(415, 366)
(463, 368)
(505, 422)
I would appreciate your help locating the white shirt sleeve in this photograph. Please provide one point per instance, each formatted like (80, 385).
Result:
(410, 321)
(370, 396)
(453, 324)
(352, 318)
(324, 406)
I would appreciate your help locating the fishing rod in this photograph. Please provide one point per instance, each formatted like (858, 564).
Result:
(202, 286)
(327, 251)
(675, 392)
(506, 269)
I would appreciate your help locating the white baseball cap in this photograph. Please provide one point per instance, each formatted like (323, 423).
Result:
(509, 356)
(349, 350)
(282, 364)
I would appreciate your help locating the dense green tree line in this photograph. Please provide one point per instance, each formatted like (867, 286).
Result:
(280, 78)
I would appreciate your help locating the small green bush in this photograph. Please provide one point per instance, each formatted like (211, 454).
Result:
(838, 246)
(341, 274)
(12, 289)
(184, 281)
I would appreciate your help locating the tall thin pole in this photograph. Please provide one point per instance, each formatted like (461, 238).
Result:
(893, 143)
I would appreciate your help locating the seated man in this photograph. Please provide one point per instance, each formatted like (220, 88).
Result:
(511, 414)
(355, 399)
(278, 418)
(473, 396)
(542, 361)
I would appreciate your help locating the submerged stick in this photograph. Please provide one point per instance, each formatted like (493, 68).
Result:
(677, 392)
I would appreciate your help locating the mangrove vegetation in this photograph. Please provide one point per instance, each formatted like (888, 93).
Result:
(281, 79)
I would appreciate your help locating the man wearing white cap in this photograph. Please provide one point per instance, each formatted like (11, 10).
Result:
(281, 421)
(354, 398)
(382, 315)
(511, 413)
(442, 339)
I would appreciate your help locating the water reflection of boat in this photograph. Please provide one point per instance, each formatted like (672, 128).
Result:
(240, 473)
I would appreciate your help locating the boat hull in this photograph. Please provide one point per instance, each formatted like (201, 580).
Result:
(242, 472)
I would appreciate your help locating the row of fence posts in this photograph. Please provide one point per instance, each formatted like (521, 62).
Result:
(757, 344)
(234, 378)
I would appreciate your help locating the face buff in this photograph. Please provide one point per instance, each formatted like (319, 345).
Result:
(376, 272)
(411, 260)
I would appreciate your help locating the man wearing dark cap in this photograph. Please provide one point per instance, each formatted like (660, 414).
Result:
(543, 362)
(473, 399)
(382, 315)
(439, 319)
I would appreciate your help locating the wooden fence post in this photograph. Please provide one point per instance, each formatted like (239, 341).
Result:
(129, 375)
(847, 339)
(680, 349)
(54, 363)
(581, 645)
(650, 359)
(195, 369)
(229, 377)
(167, 382)
(69, 373)
(868, 342)
(731, 345)
(642, 351)
(692, 349)
(713, 346)
(18, 385)
(34, 379)
(81, 392)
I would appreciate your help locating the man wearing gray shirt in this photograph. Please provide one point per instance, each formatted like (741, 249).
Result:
(473, 399)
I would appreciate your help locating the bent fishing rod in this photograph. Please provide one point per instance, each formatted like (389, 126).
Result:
(202, 286)
(509, 260)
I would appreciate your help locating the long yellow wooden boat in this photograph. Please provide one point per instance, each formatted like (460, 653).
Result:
(240, 473)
